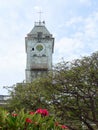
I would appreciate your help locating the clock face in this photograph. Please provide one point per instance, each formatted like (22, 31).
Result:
(39, 47)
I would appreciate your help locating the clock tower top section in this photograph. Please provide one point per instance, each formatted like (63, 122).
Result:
(40, 26)
(39, 33)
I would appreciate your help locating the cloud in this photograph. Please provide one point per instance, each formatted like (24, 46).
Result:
(86, 24)
(86, 2)
(74, 20)
(91, 25)
(37, 8)
(82, 41)
(6, 3)
(68, 48)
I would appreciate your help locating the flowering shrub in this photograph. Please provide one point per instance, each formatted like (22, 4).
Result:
(38, 120)
(43, 112)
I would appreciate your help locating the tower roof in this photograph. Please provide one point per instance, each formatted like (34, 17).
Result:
(39, 28)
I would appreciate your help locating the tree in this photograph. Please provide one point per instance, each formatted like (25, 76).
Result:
(70, 92)
(27, 96)
(76, 92)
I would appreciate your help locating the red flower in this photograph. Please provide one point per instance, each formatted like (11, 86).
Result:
(39, 111)
(31, 113)
(14, 114)
(43, 112)
(64, 127)
(28, 120)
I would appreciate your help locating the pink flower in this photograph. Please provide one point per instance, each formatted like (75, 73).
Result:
(28, 120)
(31, 113)
(64, 127)
(14, 114)
(43, 112)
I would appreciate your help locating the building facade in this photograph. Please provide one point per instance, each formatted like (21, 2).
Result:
(39, 45)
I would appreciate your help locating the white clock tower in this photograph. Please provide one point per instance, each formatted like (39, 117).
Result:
(39, 45)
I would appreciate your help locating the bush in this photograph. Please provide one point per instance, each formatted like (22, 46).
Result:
(20, 120)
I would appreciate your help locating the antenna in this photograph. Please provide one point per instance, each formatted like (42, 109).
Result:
(40, 23)
(40, 13)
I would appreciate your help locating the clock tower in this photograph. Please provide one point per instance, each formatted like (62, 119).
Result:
(39, 45)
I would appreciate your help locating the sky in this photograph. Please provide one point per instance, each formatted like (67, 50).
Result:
(73, 23)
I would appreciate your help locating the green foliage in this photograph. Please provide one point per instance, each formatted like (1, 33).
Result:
(39, 120)
(70, 93)
(26, 96)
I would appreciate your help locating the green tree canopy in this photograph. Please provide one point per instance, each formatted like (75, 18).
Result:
(70, 92)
